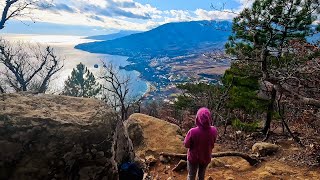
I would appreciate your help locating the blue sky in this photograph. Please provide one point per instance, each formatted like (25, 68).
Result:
(92, 17)
(190, 4)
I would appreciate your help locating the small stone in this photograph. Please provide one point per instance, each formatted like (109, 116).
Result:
(88, 156)
(274, 171)
(163, 159)
(139, 162)
(94, 151)
(230, 178)
(102, 160)
(67, 156)
(210, 178)
(100, 154)
(78, 150)
(215, 163)
(151, 160)
(180, 166)
(249, 139)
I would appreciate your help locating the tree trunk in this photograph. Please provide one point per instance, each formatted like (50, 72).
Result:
(285, 124)
(124, 112)
(251, 160)
(24, 87)
(270, 110)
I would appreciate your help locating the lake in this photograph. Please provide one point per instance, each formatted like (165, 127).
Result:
(64, 47)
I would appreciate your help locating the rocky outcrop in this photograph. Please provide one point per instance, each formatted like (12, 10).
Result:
(58, 137)
(153, 136)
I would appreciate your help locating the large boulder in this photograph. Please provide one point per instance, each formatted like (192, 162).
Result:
(153, 136)
(59, 137)
(264, 149)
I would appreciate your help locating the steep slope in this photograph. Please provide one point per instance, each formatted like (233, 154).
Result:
(169, 39)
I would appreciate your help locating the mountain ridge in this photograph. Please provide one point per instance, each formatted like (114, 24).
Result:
(171, 39)
(112, 36)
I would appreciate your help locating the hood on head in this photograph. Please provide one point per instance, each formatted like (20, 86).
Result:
(203, 118)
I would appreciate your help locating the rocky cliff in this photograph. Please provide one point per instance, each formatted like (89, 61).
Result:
(59, 137)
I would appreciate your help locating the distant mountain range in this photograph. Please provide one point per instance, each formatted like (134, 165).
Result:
(170, 39)
(107, 37)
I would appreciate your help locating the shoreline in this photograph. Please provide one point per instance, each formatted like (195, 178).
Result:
(150, 88)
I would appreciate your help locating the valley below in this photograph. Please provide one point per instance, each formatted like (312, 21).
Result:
(171, 54)
(164, 73)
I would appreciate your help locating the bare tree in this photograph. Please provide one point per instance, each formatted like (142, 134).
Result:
(16, 8)
(117, 90)
(28, 67)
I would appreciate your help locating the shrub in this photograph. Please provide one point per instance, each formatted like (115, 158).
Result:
(246, 127)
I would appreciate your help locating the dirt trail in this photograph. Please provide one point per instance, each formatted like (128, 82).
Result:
(273, 167)
(161, 136)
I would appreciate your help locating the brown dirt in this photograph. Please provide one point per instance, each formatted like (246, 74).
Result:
(291, 162)
(273, 167)
(286, 164)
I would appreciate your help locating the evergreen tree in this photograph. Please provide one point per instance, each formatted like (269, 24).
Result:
(260, 40)
(81, 83)
(195, 96)
(243, 93)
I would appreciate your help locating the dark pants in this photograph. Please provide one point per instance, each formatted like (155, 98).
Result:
(194, 168)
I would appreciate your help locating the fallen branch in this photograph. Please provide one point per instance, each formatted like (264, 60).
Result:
(251, 160)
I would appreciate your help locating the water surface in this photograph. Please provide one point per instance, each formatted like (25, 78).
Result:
(64, 47)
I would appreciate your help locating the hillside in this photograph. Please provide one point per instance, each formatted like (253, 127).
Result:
(112, 36)
(147, 135)
(170, 39)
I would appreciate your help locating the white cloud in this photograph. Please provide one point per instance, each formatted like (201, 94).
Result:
(177, 15)
(214, 15)
(245, 3)
(119, 14)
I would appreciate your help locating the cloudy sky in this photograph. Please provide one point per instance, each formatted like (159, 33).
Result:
(90, 17)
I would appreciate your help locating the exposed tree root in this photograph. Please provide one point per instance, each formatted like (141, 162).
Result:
(251, 160)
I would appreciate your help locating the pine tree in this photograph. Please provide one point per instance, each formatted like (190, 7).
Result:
(261, 37)
(81, 83)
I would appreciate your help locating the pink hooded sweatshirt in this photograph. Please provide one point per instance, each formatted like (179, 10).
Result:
(200, 140)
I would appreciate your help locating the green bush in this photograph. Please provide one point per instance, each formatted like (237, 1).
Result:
(246, 127)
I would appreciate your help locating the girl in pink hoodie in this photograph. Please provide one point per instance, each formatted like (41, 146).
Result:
(200, 142)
